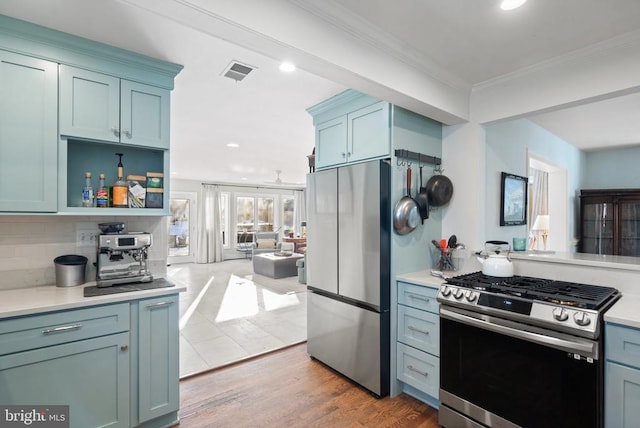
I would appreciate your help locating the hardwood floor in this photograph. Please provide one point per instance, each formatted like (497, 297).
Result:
(288, 389)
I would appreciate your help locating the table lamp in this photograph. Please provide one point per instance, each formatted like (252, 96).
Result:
(542, 224)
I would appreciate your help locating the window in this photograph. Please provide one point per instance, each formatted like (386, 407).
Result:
(287, 214)
(253, 214)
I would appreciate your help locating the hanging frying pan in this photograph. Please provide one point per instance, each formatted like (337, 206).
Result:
(439, 189)
(423, 200)
(405, 214)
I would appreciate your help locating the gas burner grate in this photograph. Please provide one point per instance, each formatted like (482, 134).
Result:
(559, 292)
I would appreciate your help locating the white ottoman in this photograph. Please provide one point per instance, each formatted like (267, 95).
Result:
(268, 264)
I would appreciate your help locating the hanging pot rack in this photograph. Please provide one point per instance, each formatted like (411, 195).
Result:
(405, 156)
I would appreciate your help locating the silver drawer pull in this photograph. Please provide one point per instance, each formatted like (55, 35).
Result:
(62, 329)
(410, 367)
(412, 328)
(415, 297)
(159, 304)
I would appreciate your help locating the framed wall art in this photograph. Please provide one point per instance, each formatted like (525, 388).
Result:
(513, 200)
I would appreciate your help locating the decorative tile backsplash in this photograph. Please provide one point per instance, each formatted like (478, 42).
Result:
(28, 245)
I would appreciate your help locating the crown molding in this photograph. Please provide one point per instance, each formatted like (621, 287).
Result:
(625, 40)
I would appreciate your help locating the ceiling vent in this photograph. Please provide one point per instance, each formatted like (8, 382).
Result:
(237, 71)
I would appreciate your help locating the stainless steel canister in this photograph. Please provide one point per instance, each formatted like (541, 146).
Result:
(70, 270)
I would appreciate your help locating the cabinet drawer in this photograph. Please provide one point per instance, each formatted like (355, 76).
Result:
(30, 332)
(418, 297)
(419, 329)
(622, 344)
(418, 369)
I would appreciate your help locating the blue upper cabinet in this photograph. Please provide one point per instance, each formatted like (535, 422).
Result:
(351, 127)
(144, 115)
(28, 134)
(97, 106)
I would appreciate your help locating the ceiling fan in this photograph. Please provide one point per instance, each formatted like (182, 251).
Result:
(278, 181)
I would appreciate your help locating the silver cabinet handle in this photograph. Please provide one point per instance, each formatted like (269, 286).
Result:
(62, 329)
(127, 134)
(344, 155)
(412, 328)
(115, 131)
(159, 304)
(413, 369)
(415, 297)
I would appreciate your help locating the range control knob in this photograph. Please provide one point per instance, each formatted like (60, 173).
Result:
(458, 293)
(446, 291)
(560, 314)
(581, 318)
(470, 295)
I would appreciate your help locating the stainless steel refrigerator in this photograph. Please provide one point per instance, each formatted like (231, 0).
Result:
(348, 272)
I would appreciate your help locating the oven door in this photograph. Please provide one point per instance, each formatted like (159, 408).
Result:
(500, 373)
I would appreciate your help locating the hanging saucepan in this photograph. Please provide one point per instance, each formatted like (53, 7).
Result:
(405, 213)
(439, 189)
(423, 200)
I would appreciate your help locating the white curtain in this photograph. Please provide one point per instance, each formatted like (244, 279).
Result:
(299, 211)
(540, 195)
(209, 227)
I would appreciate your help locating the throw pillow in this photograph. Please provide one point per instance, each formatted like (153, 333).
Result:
(265, 243)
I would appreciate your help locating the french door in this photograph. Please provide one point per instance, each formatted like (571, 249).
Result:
(182, 228)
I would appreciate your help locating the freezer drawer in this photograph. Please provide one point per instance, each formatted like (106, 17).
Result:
(351, 340)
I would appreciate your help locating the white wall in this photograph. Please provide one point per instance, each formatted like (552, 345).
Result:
(28, 245)
(464, 162)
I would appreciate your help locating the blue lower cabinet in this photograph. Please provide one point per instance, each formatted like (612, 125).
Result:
(158, 373)
(622, 403)
(418, 342)
(113, 365)
(622, 376)
(90, 376)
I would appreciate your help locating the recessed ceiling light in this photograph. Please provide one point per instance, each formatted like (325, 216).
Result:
(244, 178)
(511, 4)
(233, 145)
(287, 67)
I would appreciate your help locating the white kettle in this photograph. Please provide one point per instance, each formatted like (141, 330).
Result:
(494, 260)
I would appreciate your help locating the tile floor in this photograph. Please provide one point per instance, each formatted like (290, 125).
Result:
(228, 314)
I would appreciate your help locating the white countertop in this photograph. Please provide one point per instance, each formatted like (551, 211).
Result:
(421, 278)
(580, 259)
(625, 311)
(46, 298)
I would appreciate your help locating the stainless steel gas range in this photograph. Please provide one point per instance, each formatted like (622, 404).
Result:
(521, 352)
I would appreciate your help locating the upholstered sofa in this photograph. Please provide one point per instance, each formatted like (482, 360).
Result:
(265, 242)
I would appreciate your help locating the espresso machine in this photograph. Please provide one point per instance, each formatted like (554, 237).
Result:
(122, 258)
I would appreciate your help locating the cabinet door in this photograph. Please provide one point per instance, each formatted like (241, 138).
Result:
(629, 238)
(622, 395)
(158, 357)
(598, 227)
(368, 133)
(28, 134)
(418, 369)
(331, 142)
(90, 376)
(419, 329)
(144, 115)
(89, 104)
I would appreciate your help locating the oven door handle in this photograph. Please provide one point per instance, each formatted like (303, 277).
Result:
(585, 348)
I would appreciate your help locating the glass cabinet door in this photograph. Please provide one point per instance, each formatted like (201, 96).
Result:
(630, 228)
(598, 228)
